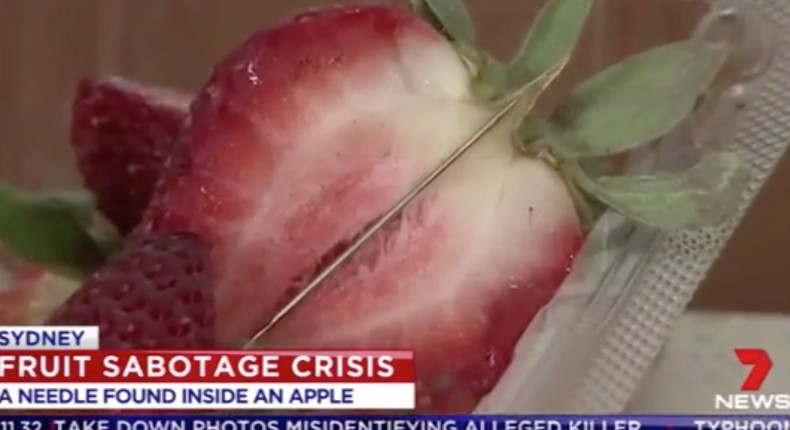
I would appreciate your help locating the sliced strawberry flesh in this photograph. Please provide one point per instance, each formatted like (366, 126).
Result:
(304, 135)
(456, 283)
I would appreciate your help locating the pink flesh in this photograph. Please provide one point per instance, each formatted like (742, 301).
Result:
(457, 279)
(309, 132)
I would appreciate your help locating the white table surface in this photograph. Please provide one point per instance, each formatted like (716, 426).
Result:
(698, 362)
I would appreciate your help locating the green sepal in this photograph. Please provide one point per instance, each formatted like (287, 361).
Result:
(587, 214)
(635, 101)
(525, 97)
(52, 230)
(448, 16)
(706, 195)
(550, 41)
(533, 135)
(588, 208)
(80, 203)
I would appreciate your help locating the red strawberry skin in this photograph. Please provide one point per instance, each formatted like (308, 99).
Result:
(306, 134)
(157, 294)
(122, 133)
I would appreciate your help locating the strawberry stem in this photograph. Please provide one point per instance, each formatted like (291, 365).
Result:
(489, 74)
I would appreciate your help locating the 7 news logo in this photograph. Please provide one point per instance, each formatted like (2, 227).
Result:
(760, 365)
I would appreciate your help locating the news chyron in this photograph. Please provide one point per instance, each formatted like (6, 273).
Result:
(62, 368)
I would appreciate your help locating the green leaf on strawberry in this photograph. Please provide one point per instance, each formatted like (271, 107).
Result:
(636, 101)
(80, 203)
(705, 195)
(631, 104)
(551, 40)
(450, 17)
(52, 230)
(525, 97)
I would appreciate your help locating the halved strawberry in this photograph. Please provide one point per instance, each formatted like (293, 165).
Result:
(306, 134)
(156, 295)
(122, 132)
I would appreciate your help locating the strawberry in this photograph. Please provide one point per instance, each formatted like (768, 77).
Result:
(310, 131)
(307, 133)
(155, 295)
(122, 133)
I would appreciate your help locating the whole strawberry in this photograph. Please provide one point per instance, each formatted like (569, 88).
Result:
(308, 132)
(122, 133)
(156, 295)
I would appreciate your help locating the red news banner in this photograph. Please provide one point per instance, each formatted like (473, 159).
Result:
(212, 380)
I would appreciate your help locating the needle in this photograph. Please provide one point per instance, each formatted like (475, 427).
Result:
(535, 87)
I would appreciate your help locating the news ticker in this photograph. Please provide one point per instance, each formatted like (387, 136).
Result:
(391, 422)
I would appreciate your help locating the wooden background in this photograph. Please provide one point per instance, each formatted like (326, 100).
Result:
(46, 45)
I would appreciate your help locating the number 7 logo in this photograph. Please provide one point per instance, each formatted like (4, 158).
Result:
(761, 364)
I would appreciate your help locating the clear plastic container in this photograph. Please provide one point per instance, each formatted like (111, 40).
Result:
(588, 349)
